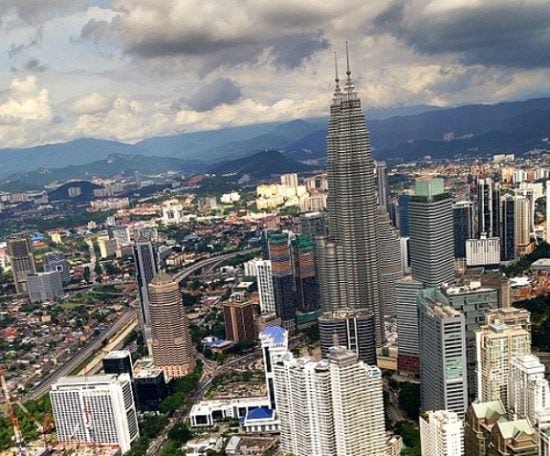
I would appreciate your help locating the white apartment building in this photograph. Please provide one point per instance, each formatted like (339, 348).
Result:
(497, 344)
(98, 409)
(484, 251)
(441, 433)
(274, 344)
(264, 276)
(330, 407)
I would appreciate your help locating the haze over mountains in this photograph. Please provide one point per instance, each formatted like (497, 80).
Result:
(472, 129)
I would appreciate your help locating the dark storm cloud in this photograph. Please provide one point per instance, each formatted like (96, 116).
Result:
(291, 51)
(94, 31)
(507, 34)
(221, 91)
(35, 12)
(34, 66)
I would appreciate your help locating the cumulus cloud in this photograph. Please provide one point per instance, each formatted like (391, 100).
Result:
(35, 12)
(505, 33)
(93, 103)
(95, 30)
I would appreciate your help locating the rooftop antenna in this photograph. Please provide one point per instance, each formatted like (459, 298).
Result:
(348, 71)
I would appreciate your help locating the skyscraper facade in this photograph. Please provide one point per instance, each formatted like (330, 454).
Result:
(441, 433)
(146, 268)
(348, 264)
(507, 228)
(443, 375)
(172, 346)
(382, 184)
(390, 267)
(463, 225)
(431, 233)
(56, 261)
(239, 320)
(264, 277)
(274, 344)
(406, 292)
(305, 275)
(22, 262)
(97, 410)
(403, 206)
(488, 207)
(283, 279)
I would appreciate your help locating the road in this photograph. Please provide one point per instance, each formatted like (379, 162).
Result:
(211, 262)
(74, 361)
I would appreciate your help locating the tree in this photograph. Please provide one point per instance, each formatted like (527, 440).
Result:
(409, 398)
(98, 269)
(180, 433)
(86, 273)
(172, 403)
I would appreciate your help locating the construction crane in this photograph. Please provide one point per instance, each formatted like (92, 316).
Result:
(17, 435)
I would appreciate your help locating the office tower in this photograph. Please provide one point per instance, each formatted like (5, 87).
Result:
(355, 331)
(274, 344)
(357, 404)
(151, 389)
(283, 279)
(488, 431)
(473, 301)
(528, 390)
(431, 233)
(22, 262)
(264, 277)
(172, 346)
(403, 201)
(146, 268)
(333, 406)
(463, 225)
(56, 261)
(507, 228)
(488, 198)
(118, 362)
(348, 259)
(382, 184)
(408, 358)
(441, 433)
(95, 410)
(313, 224)
(390, 264)
(443, 375)
(305, 275)
(239, 321)
(405, 255)
(45, 286)
(522, 225)
(497, 343)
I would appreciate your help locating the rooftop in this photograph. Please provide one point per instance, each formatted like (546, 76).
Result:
(117, 354)
(488, 409)
(259, 414)
(277, 334)
(511, 429)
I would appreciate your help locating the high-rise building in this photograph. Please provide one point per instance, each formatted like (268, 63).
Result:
(403, 201)
(305, 274)
(382, 184)
(463, 225)
(348, 259)
(473, 301)
(22, 262)
(274, 344)
(313, 224)
(357, 404)
(497, 343)
(528, 389)
(56, 261)
(95, 410)
(431, 233)
(239, 320)
(118, 362)
(406, 292)
(264, 277)
(172, 346)
(483, 251)
(443, 375)
(522, 225)
(488, 207)
(478, 426)
(390, 266)
(512, 316)
(45, 286)
(283, 279)
(332, 406)
(146, 268)
(441, 433)
(507, 228)
(405, 255)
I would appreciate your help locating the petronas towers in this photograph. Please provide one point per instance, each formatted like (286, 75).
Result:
(349, 258)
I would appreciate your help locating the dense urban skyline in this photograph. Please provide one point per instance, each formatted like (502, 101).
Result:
(127, 70)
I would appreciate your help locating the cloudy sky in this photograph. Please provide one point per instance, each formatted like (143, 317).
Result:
(130, 69)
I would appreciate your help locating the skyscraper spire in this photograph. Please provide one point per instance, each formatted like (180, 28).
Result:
(348, 71)
(350, 89)
(337, 89)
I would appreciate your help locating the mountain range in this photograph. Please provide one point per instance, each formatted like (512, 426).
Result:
(442, 133)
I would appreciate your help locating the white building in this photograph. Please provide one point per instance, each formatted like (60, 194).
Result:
(289, 180)
(97, 409)
(172, 211)
(483, 252)
(274, 344)
(45, 286)
(528, 389)
(230, 198)
(441, 433)
(208, 412)
(332, 406)
(264, 276)
(496, 345)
